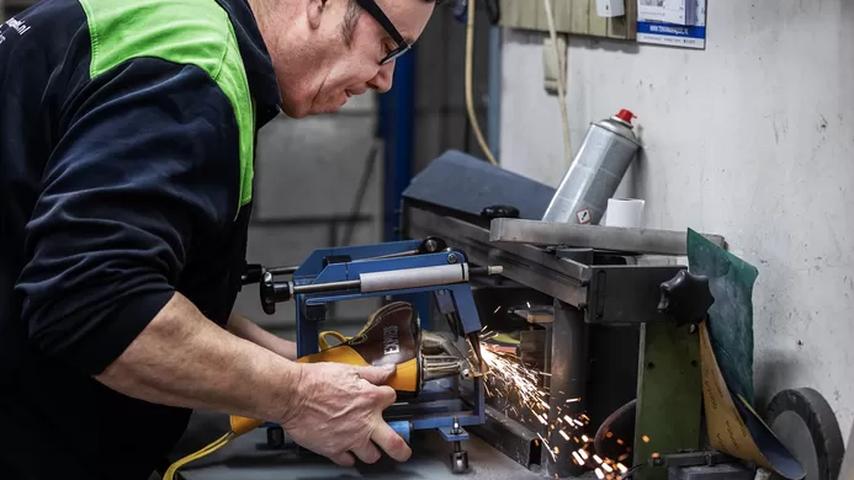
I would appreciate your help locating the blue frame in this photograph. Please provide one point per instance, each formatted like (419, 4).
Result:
(433, 409)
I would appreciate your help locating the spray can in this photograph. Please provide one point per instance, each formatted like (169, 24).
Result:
(598, 168)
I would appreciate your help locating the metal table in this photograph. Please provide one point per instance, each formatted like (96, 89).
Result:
(242, 460)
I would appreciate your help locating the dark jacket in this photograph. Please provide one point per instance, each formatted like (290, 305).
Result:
(127, 131)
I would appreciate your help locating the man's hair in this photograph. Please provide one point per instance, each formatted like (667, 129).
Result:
(351, 16)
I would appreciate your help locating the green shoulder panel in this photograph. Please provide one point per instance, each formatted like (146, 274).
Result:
(189, 32)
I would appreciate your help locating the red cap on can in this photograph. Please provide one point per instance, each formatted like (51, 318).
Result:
(626, 116)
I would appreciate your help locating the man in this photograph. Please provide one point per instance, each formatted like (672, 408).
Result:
(127, 132)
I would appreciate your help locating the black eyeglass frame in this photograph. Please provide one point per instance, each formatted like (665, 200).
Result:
(375, 11)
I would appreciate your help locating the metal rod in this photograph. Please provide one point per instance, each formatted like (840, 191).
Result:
(605, 238)
(283, 270)
(405, 253)
(327, 287)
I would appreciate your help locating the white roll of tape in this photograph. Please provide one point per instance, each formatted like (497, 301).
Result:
(624, 212)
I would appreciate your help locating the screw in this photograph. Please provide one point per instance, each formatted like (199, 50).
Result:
(456, 428)
(452, 258)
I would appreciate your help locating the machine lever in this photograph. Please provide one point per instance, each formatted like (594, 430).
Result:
(686, 297)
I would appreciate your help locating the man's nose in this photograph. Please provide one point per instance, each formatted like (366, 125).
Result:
(384, 77)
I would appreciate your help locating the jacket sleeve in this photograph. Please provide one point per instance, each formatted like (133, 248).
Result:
(146, 167)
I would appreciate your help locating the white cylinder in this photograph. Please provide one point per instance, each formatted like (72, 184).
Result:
(414, 277)
(624, 212)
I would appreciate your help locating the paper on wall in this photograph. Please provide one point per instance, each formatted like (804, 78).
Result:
(678, 23)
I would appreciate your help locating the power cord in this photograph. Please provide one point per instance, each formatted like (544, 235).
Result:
(561, 80)
(468, 84)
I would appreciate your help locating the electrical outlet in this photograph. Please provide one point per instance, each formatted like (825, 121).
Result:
(550, 65)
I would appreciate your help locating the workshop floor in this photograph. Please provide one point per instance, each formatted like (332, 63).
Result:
(244, 461)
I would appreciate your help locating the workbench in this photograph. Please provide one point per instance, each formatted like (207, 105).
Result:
(243, 460)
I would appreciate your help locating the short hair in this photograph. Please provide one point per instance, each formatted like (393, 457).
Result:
(351, 16)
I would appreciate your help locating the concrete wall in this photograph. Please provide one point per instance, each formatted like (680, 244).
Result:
(752, 138)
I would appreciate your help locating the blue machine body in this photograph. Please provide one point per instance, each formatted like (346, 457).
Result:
(440, 405)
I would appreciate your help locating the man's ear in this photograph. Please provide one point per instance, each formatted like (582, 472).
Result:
(314, 10)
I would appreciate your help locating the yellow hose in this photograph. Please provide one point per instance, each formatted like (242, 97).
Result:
(240, 425)
(209, 449)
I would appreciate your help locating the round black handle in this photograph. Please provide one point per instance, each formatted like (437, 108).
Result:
(686, 297)
(272, 292)
(252, 273)
(500, 211)
(432, 245)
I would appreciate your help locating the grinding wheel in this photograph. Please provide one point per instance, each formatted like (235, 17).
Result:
(847, 472)
(620, 425)
(806, 425)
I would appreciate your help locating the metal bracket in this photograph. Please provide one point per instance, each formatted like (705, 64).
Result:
(448, 434)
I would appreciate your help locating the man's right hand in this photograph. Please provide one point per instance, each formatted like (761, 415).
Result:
(338, 413)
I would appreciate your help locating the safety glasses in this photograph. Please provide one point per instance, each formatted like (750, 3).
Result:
(374, 10)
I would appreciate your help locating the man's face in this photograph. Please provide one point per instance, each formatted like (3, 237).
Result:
(342, 69)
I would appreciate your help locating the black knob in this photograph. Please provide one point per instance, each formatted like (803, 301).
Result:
(500, 211)
(252, 273)
(272, 292)
(686, 297)
(432, 245)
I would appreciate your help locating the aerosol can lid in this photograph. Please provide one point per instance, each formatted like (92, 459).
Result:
(625, 116)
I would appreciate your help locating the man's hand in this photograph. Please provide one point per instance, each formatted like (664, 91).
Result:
(339, 413)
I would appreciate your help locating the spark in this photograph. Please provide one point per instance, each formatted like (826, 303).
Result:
(496, 310)
(622, 468)
(645, 438)
(521, 386)
(548, 448)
